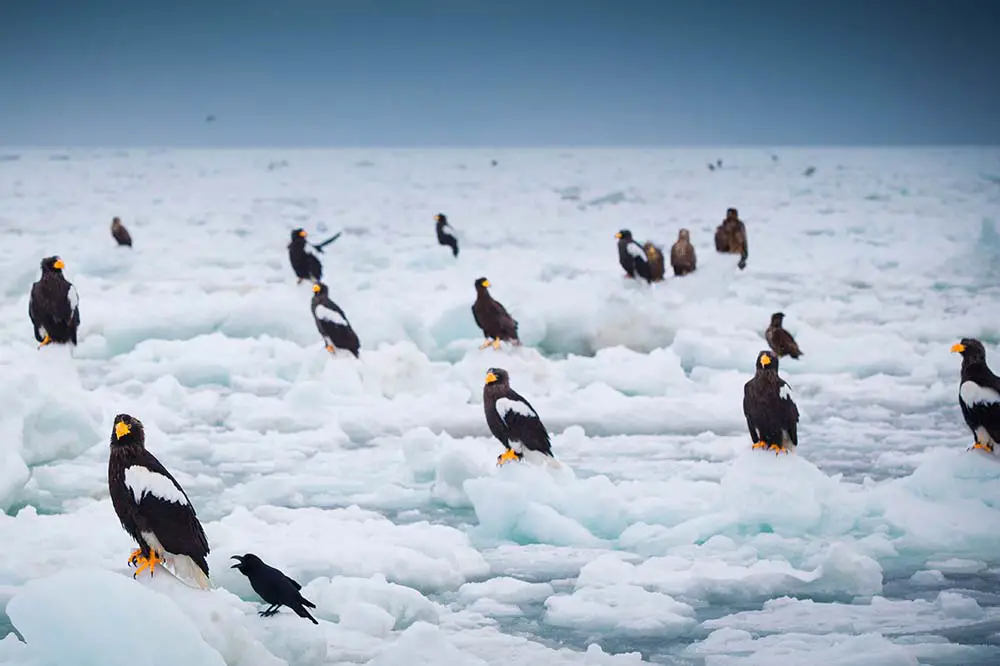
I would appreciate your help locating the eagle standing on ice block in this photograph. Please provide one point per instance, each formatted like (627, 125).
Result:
(332, 324)
(771, 414)
(979, 395)
(512, 419)
(153, 508)
(492, 317)
(632, 257)
(54, 306)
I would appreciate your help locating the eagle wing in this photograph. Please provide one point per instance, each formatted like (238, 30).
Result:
(164, 510)
(522, 423)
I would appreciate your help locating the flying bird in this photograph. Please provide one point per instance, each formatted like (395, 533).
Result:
(445, 234)
(492, 317)
(979, 395)
(120, 233)
(771, 414)
(54, 306)
(632, 256)
(512, 419)
(332, 322)
(779, 340)
(274, 587)
(153, 508)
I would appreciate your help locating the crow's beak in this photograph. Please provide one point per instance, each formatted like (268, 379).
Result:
(239, 562)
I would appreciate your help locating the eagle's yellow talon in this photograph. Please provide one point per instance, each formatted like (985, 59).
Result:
(486, 344)
(147, 563)
(506, 457)
(134, 557)
(46, 341)
(496, 343)
(983, 447)
(760, 445)
(331, 349)
(774, 447)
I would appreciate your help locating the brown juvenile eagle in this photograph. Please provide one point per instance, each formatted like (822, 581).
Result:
(779, 340)
(771, 414)
(153, 508)
(492, 317)
(682, 255)
(512, 419)
(54, 306)
(979, 394)
(120, 233)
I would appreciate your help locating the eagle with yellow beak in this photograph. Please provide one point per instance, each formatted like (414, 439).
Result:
(771, 414)
(153, 508)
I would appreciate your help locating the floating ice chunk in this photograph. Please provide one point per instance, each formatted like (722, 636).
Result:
(506, 590)
(628, 609)
(366, 618)
(90, 618)
(733, 647)
(424, 645)
(928, 578)
(402, 604)
(14, 474)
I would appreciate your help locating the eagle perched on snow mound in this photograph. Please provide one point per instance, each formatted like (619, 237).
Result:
(153, 508)
(771, 414)
(512, 419)
(979, 395)
(54, 306)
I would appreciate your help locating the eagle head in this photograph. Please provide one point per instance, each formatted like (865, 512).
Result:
(497, 376)
(624, 235)
(52, 265)
(298, 233)
(767, 361)
(482, 284)
(970, 349)
(127, 431)
(319, 288)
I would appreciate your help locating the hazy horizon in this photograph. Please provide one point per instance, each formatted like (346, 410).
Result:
(476, 74)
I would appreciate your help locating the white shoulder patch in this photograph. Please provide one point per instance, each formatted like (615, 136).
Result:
(332, 316)
(636, 251)
(972, 393)
(785, 392)
(74, 298)
(505, 406)
(141, 481)
(448, 230)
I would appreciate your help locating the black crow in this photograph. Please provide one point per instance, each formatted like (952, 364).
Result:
(274, 587)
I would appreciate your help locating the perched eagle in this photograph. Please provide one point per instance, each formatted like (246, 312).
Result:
(779, 340)
(153, 508)
(682, 255)
(332, 322)
(632, 256)
(771, 414)
(512, 419)
(54, 306)
(492, 317)
(304, 263)
(445, 234)
(120, 233)
(979, 395)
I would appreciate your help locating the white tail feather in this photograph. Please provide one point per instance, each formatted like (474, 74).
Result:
(186, 569)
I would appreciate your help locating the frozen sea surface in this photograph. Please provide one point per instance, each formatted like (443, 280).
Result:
(662, 539)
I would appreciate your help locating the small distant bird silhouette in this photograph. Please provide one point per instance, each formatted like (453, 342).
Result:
(274, 587)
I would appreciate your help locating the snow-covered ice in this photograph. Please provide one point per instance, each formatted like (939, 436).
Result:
(662, 538)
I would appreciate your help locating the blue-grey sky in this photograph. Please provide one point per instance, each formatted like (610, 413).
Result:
(479, 73)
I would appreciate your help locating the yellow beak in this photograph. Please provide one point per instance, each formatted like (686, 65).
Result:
(121, 429)
(618, 235)
(958, 347)
(765, 360)
(59, 265)
(303, 234)
(316, 288)
(490, 378)
(486, 283)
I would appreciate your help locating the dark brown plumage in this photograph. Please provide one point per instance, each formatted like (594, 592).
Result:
(979, 394)
(304, 263)
(492, 317)
(153, 508)
(779, 340)
(332, 323)
(772, 417)
(731, 237)
(632, 256)
(511, 419)
(654, 257)
(120, 233)
(445, 234)
(682, 255)
(54, 306)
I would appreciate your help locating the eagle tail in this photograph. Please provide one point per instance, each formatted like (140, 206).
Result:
(187, 569)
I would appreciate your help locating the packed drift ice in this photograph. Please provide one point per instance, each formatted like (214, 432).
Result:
(253, 472)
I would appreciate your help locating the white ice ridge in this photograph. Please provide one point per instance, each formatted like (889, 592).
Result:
(142, 480)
